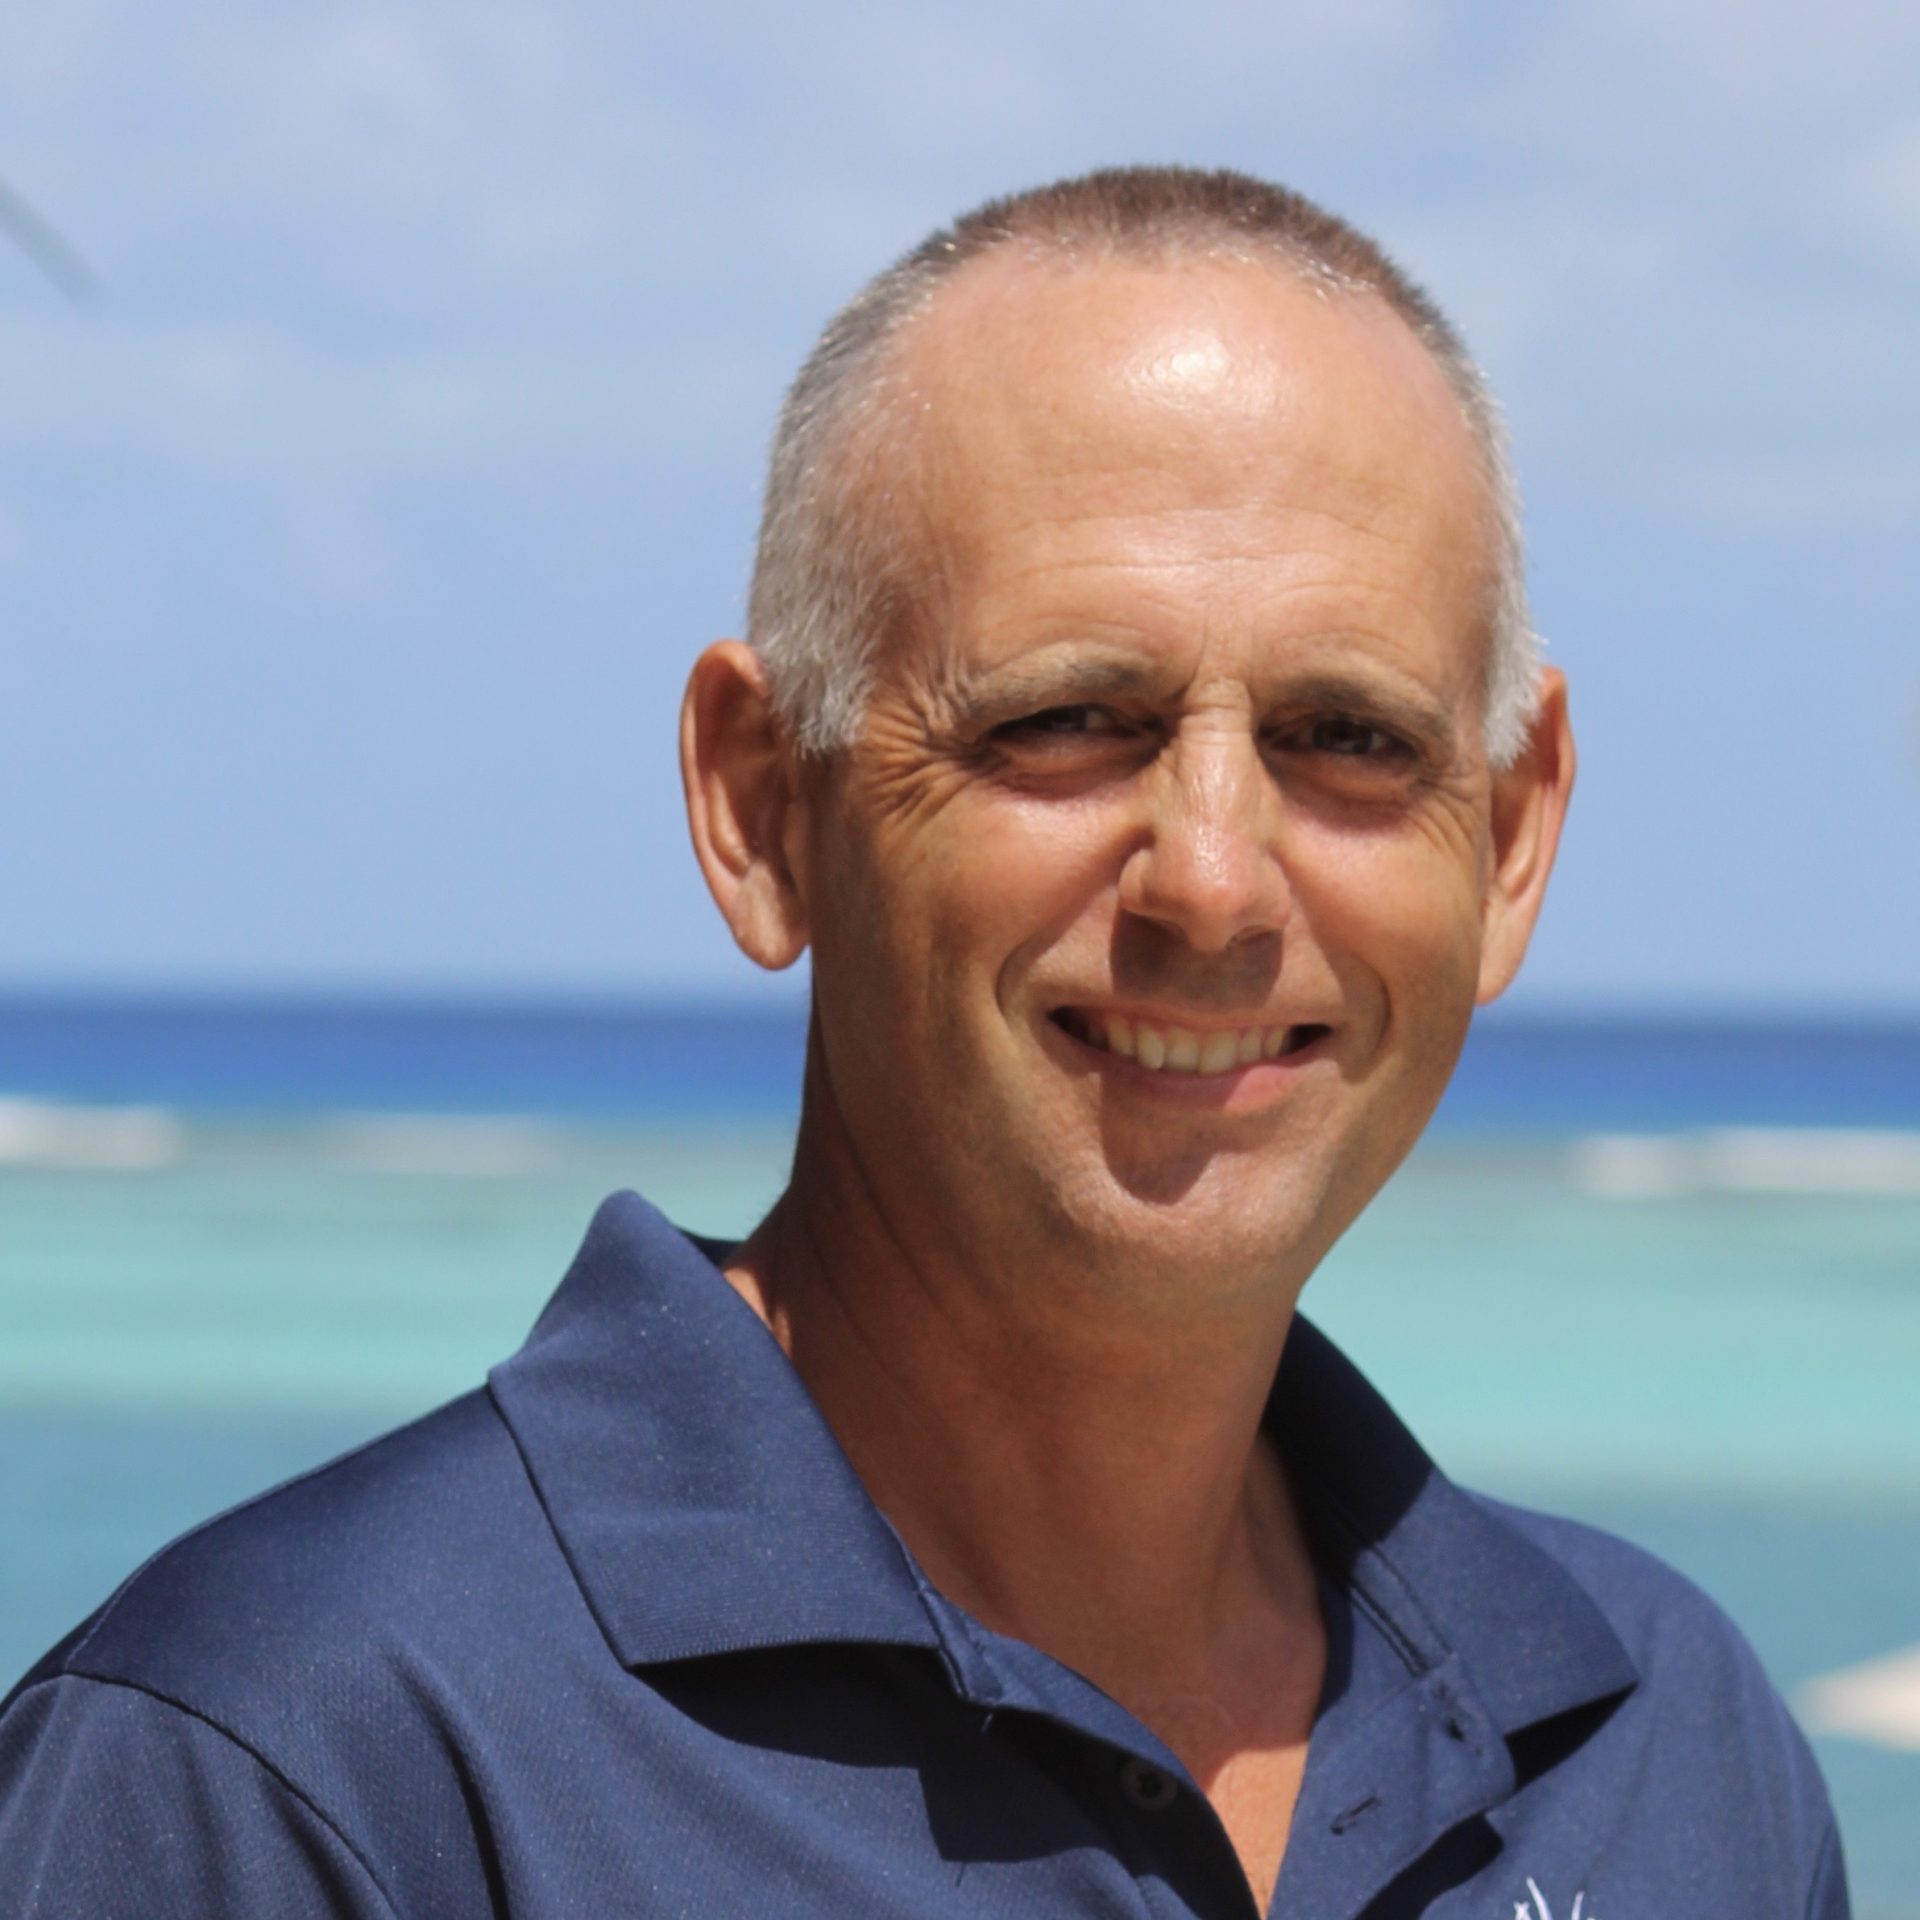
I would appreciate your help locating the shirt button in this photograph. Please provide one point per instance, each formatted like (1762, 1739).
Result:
(1150, 1788)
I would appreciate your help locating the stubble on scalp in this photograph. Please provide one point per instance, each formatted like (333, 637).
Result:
(844, 566)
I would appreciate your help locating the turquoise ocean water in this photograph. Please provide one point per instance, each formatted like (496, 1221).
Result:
(1663, 1275)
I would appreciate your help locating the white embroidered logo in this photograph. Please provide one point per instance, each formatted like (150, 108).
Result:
(1541, 1911)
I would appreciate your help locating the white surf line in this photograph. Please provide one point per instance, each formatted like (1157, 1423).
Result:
(45, 1133)
(1878, 1701)
(1839, 1161)
(443, 1143)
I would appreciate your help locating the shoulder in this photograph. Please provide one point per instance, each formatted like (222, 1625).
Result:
(343, 1630)
(1715, 1758)
(1677, 1637)
(352, 1559)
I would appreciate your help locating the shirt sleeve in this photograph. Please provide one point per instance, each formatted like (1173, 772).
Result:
(118, 1805)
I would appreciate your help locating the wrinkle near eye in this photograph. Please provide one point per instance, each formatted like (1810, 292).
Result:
(907, 764)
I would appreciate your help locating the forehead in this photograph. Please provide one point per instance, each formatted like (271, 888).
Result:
(1180, 421)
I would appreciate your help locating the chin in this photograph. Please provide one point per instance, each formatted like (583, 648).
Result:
(1206, 1221)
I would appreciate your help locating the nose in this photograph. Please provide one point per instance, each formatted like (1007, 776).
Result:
(1208, 864)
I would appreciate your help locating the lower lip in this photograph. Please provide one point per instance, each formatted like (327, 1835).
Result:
(1237, 1087)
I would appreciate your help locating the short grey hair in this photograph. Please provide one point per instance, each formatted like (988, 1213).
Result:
(834, 567)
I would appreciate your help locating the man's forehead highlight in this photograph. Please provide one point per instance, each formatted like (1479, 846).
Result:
(1002, 363)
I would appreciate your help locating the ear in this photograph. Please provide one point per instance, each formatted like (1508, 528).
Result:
(1529, 804)
(743, 802)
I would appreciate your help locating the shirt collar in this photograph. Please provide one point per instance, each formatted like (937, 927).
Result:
(1444, 1575)
(703, 1503)
(706, 1508)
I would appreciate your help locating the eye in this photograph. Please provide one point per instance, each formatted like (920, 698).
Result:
(1351, 739)
(1072, 723)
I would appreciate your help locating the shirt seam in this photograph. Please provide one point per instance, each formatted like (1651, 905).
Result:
(1822, 1861)
(282, 1779)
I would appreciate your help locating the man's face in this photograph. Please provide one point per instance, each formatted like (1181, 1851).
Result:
(1148, 909)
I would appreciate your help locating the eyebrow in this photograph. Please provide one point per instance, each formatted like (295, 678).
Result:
(1085, 678)
(1403, 711)
(1019, 687)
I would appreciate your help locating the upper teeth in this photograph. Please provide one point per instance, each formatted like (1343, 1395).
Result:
(1178, 1049)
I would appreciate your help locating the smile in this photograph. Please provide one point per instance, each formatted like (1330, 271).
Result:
(1170, 1049)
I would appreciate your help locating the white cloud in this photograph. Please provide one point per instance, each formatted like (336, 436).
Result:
(250, 401)
(1876, 190)
(1630, 87)
(1802, 491)
(1521, 269)
(417, 237)
(13, 537)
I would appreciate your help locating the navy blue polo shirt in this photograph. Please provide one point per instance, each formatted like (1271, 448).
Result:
(624, 1636)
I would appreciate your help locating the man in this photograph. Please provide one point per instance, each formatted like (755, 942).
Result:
(1139, 723)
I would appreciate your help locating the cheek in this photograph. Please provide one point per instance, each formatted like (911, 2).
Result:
(1402, 905)
(1008, 878)
(1046, 876)
(925, 921)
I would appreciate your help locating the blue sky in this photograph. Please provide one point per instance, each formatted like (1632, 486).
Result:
(354, 544)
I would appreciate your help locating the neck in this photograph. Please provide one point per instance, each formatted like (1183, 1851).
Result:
(1088, 1480)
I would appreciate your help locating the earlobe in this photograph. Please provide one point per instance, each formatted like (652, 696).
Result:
(1528, 808)
(743, 802)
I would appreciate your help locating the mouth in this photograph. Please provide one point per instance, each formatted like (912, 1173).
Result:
(1162, 1047)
